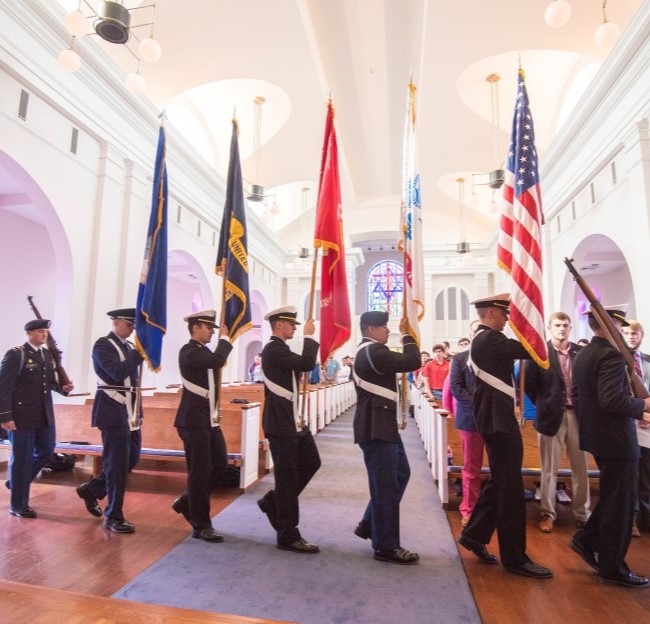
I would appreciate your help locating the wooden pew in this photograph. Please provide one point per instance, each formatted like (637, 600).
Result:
(160, 441)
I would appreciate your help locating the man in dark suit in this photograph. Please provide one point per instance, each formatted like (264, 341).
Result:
(557, 424)
(501, 504)
(197, 422)
(118, 416)
(27, 378)
(376, 432)
(633, 335)
(607, 413)
(293, 449)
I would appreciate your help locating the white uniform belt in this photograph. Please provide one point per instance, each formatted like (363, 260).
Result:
(116, 396)
(489, 379)
(192, 387)
(371, 387)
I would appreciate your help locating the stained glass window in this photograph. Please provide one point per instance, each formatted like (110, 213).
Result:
(384, 287)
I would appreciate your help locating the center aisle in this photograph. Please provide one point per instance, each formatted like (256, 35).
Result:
(247, 575)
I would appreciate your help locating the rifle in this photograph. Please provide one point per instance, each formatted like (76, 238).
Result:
(53, 348)
(611, 331)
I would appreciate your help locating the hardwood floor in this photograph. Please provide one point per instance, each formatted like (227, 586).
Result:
(66, 548)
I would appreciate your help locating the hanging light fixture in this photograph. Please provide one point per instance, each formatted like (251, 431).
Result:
(557, 13)
(303, 251)
(608, 32)
(112, 22)
(462, 247)
(493, 179)
(256, 193)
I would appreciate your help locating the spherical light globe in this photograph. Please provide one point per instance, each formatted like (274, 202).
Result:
(76, 23)
(150, 50)
(607, 34)
(557, 13)
(135, 83)
(274, 209)
(69, 61)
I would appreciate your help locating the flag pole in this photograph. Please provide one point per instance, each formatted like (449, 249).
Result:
(310, 315)
(222, 317)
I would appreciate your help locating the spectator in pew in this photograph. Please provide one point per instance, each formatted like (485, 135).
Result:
(255, 369)
(27, 378)
(292, 446)
(118, 416)
(633, 335)
(461, 384)
(501, 503)
(557, 424)
(197, 422)
(377, 434)
(607, 415)
(331, 369)
(435, 373)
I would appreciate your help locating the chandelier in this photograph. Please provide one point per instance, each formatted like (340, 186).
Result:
(112, 22)
(557, 14)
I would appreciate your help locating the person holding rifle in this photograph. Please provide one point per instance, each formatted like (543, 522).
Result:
(607, 413)
(27, 378)
(117, 414)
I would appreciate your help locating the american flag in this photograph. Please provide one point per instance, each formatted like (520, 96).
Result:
(519, 250)
(411, 224)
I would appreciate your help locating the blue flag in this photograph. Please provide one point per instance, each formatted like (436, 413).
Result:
(151, 307)
(232, 258)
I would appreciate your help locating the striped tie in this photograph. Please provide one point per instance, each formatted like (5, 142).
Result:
(637, 365)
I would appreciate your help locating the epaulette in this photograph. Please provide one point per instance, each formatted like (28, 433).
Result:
(18, 348)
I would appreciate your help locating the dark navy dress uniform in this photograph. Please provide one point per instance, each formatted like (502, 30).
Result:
(501, 504)
(27, 378)
(205, 447)
(295, 455)
(110, 415)
(376, 432)
(606, 413)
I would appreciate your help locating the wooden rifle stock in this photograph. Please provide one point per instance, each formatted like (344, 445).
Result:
(52, 347)
(610, 330)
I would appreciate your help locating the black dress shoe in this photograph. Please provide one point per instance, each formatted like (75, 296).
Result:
(300, 546)
(179, 508)
(532, 569)
(362, 530)
(118, 525)
(627, 580)
(84, 493)
(207, 535)
(269, 511)
(28, 512)
(587, 554)
(477, 548)
(400, 556)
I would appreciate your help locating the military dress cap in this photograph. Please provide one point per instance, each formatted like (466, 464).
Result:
(615, 311)
(493, 301)
(126, 314)
(375, 318)
(37, 324)
(209, 317)
(288, 313)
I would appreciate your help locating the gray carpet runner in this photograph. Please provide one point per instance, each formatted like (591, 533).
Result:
(247, 575)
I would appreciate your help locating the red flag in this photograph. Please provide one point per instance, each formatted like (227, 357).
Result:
(328, 235)
(519, 251)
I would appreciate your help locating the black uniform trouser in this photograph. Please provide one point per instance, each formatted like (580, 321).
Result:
(501, 504)
(609, 528)
(207, 462)
(643, 502)
(296, 461)
(120, 455)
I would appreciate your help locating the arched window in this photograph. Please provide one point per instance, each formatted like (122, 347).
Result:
(452, 304)
(384, 287)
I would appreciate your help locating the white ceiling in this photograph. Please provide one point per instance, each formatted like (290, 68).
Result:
(219, 54)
